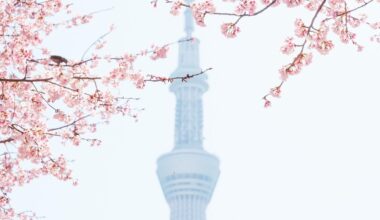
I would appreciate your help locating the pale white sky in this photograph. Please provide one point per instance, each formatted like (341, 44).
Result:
(314, 155)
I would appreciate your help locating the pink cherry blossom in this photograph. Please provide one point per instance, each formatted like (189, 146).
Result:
(275, 92)
(288, 46)
(301, 29)
(159, 52)
(293, 3)
(200, 9)
(324, 46)
(176, 7)
(267, 104)
(230, 30)
(246, 7)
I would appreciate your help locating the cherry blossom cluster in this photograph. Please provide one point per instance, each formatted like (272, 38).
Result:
(45, 96)
(229, 29)
(335, 16)
(159, 52)
(177, 5)
(293, 3)
(201, 9)
(330, 21)
(246, 7)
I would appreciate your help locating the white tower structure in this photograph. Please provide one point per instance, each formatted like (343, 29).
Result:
(188, 174)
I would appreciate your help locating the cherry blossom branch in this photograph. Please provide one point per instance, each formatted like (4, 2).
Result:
(245, 8)
(245, 14)
(87, 78)
(83, 19)
(64, 87)
(58, 60)
(26, 80)
(43, 98)
(96, 41)
(297, 61)
(227, 13)
(26, 95)
(200, 10)
(347, 12)
(13, 127)
(357, 8)
(6, 140)
(184, 78)
(70, 124)
(311, 25)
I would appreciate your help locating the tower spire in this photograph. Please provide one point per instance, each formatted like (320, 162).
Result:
(189, 22)
(188, 174)
(189, 104)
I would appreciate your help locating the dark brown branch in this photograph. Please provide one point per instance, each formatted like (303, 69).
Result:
(13, 127)
(171, 79)
(6, 140)
(26, 80)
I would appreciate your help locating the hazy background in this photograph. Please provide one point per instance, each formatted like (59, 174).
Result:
(314, 155)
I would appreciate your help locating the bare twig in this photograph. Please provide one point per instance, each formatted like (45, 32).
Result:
(70, 124)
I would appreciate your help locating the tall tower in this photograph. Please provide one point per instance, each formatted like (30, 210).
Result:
(188, 174)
